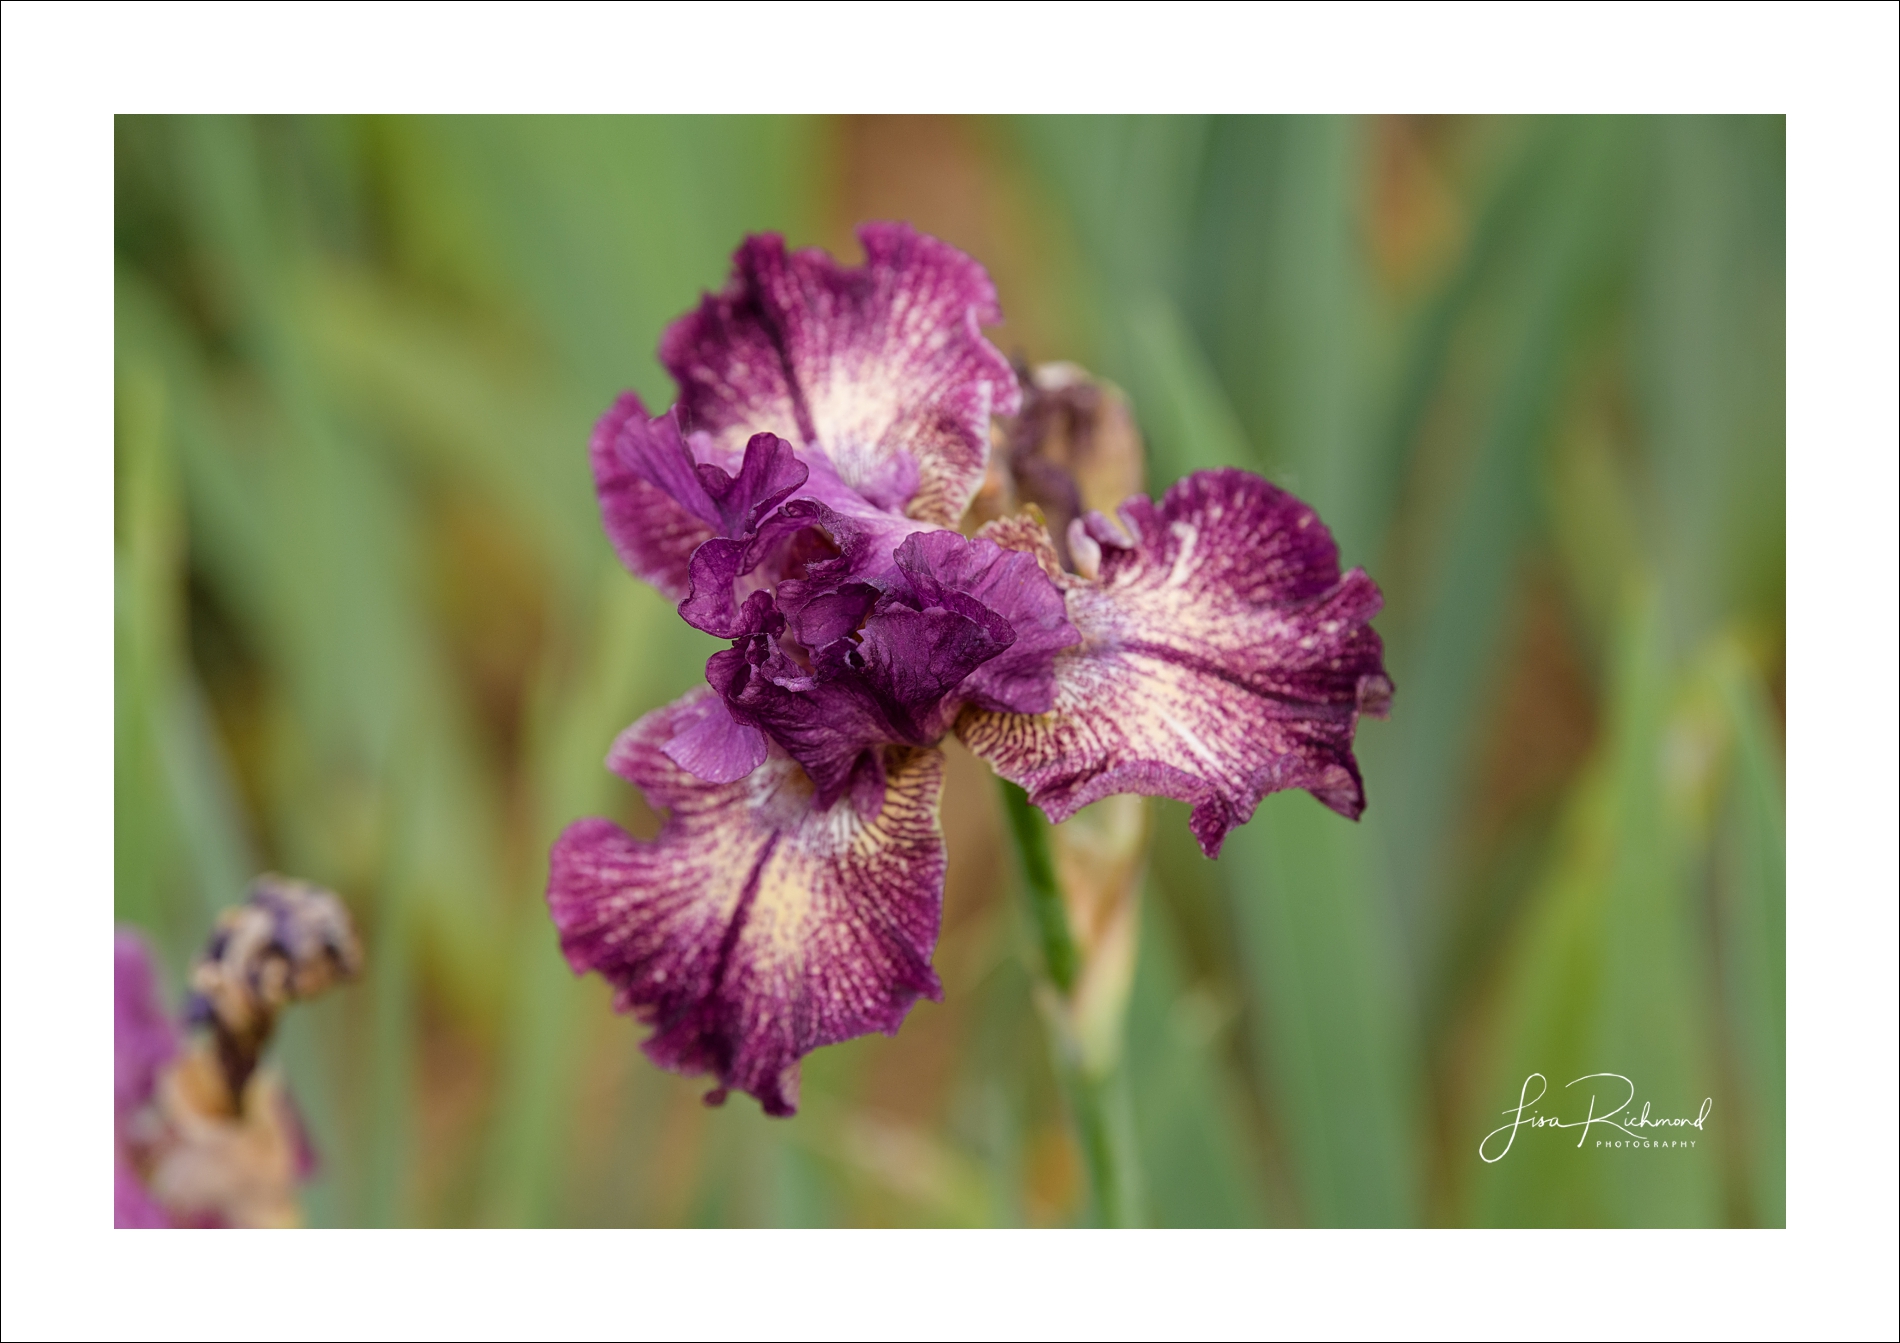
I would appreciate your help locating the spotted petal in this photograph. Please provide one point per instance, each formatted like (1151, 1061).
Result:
(1222, 658)
(882, 367)
(755, 927)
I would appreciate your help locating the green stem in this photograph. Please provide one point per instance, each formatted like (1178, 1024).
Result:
(1098, 1098)
(1059, 957)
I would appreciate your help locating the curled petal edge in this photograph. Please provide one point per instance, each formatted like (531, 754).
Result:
(755, 927)
(1222, 657)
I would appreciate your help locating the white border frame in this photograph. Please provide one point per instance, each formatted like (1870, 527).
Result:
(1832, 69)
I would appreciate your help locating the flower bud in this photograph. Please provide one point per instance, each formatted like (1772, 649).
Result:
(1101, 856)
(290, 940)
(1072, 450)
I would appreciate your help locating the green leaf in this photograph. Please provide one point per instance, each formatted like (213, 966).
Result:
(1444, 645)
(1753, 864)
(1183, 412)
(1196, 1164)
(1707, 362)
(1611, 977)
(1326, 1010)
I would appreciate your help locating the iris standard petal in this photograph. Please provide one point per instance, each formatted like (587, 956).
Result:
(1021, 679)
(805, 538)
(712, 747)
(889, 684)
(757, 926)
(1222, 658)
(652, 532)
(882, 367)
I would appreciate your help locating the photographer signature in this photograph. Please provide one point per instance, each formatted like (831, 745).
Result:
(1630, 1126)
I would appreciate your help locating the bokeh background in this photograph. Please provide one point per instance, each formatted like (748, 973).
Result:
(369, 632)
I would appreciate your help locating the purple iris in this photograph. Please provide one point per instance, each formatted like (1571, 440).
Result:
(800, 499)
(143, 1042)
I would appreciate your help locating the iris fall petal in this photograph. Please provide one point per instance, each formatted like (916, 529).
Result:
(1222, 657)
(757, 926)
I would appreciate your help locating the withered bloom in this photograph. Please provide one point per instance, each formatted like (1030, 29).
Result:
(204, 1137)
(801, 499)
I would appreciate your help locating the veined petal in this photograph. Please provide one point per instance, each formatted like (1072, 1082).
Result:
(882, 367)
(709, 745)
(652, 532)
(1222, 658)
(756, 927)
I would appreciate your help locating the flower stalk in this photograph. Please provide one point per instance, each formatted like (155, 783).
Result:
(1082, 881)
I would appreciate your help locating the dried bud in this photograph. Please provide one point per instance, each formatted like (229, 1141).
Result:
(205, 1137)
(1072, 450)
(288, 941)
(211, 1166)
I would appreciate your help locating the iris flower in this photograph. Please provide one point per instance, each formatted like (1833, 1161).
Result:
(801, 500)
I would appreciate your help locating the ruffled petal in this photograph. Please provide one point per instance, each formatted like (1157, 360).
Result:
(652, 532)
(768, 473)
(889, 684)
(1222, 658)
(941, 567)
(882, 367)
(805, 538)
(867, 667)
(756, 927)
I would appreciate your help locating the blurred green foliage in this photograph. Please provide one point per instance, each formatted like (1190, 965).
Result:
(369, 632)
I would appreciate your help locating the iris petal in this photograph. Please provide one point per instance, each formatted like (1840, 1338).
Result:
(757, 926)
(710, 746)
(889, 686)
(940, 566)
(652, 532)
(1222, 657)
(882, 367)
(143, 1039)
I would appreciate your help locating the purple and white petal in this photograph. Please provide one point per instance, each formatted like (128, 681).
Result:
(652, 532)
(757, 926)
(940, 567)
(1222, 658)
(882, 368)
